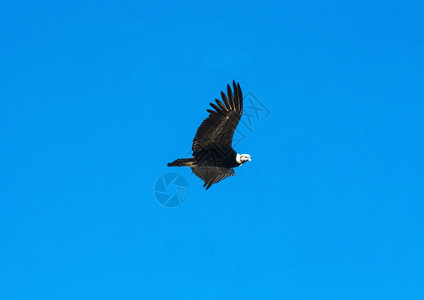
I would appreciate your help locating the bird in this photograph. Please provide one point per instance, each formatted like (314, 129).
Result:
(214, 158)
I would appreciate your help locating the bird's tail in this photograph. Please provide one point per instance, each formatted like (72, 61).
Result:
(183, 162)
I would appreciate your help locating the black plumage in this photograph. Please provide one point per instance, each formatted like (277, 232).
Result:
(213, 155)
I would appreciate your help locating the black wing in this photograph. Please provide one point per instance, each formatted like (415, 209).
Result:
(218, 129)
(212, 175)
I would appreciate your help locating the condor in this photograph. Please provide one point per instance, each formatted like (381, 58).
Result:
(214, 158)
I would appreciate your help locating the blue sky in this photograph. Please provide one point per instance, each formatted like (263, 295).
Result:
(97, 96)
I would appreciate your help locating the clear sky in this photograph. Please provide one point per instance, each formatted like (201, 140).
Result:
(98, 96)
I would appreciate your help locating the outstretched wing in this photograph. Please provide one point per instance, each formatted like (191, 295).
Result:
(212, 175)
(216, 132)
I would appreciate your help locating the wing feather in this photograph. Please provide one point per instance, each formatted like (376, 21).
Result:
(230, 96)
(222, 106)
(225, 99)
(229, 100)
(218, 110)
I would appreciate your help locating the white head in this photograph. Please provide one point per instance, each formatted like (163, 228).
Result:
(242, 158)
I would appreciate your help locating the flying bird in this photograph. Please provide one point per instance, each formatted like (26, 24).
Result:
(214, 158)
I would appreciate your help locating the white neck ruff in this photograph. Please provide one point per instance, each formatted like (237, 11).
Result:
(238, 156)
